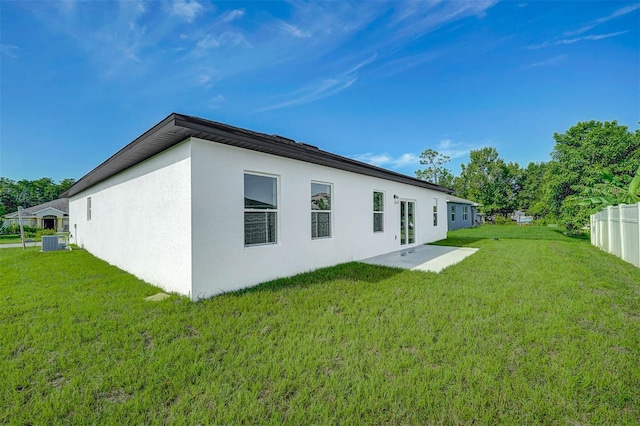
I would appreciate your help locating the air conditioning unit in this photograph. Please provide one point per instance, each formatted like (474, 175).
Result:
(50, 243)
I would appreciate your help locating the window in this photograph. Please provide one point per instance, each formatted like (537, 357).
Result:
(260, 209)
(465, 210)
(435, 212)
(88, 208)
(453, 213)
(378, 211)
(320, 210)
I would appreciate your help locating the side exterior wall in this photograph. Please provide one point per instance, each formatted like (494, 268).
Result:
(222, 263)
(140, 219)
(459, 221)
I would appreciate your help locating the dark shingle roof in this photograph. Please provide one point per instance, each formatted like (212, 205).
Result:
(61, 204)
(177, 127)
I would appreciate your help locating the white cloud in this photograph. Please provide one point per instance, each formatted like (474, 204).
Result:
(216, 101)
(204, 80)
(415, 19)
(187, 9)
(620, 12)
(208, 42)
(293, 30)
(550, 61)
(386, 160)
(313, 92)
(233, 15)
(575, 40)
(445, 144)
(405, 160)
(321, 89)
(9, 51)
(227, 38)
(453, 149)
(590, 37)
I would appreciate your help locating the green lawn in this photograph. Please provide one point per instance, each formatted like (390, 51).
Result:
(535, 328)
(10, 239)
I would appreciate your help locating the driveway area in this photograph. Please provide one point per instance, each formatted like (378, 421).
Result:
(422, 258)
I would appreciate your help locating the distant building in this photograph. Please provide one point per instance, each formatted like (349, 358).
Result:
(461, 213)
(50, 215)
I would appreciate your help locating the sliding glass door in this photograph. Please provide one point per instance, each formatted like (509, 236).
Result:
(407, 222)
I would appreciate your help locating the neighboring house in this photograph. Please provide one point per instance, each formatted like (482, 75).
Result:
(200, 208)
(50, 215)
(461, 213)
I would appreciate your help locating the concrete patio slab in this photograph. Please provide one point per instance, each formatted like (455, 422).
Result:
(422, 258)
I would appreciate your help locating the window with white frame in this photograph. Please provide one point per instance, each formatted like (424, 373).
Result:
(453, 213)
(378, 211)
(88, 208)
(465, 211)
(260, 209)
(435, 212)
(320, 210)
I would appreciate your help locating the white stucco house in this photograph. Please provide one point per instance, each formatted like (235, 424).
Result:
(200, 208)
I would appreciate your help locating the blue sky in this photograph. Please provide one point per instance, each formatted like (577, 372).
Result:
(376, 81)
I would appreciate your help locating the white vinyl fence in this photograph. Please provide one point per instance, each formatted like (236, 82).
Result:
(617, 230)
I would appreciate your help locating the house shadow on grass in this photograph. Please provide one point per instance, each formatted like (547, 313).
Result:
(458, 242)
(352, 271)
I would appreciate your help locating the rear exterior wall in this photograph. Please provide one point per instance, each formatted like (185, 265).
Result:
(222, 263)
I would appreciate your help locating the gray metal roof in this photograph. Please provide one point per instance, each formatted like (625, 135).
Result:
(454, 199)
(177, 128)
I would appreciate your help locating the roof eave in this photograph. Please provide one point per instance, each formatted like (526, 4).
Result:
(176, 128)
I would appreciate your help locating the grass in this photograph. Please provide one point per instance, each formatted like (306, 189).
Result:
(10, 239)
(533, 328)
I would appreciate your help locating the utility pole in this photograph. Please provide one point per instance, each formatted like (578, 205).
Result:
(24, 245)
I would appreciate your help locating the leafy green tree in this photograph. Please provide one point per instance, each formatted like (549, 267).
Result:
(435, 172)
(580, 156)
(488, 180)
(532, 195)
(27, 193)
(446, 178)
(8, 195)
(64, 185)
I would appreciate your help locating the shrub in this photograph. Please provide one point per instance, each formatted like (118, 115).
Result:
(15, 229)
(11, 229)
(501, 220)
(38, 235)
(574, 229)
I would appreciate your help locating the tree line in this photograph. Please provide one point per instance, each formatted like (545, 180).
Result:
(587, 159)
(583, 158)
(26, 193)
